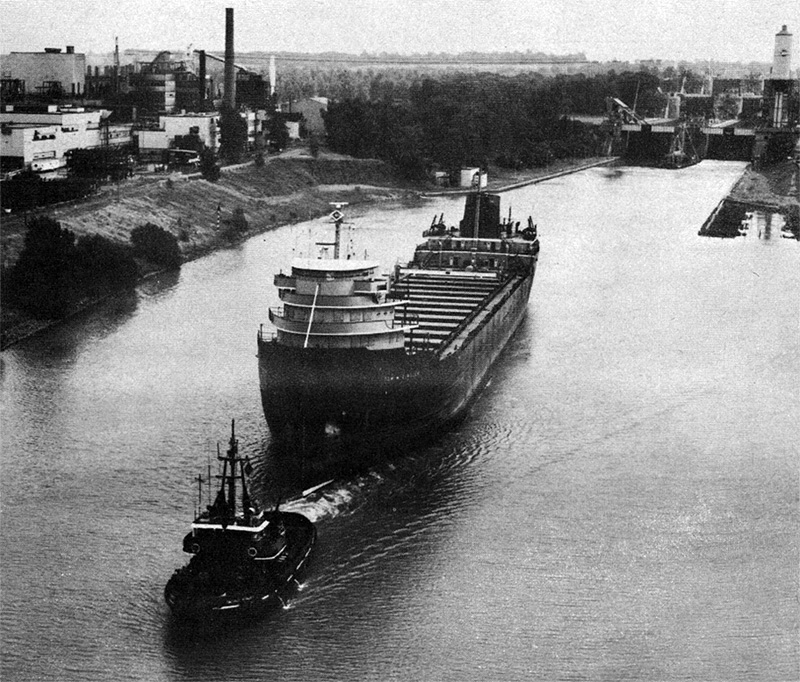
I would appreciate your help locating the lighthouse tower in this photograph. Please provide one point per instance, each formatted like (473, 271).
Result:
(782, 60)
(779, 87)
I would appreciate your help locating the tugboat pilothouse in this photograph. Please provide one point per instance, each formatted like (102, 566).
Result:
(244, 561)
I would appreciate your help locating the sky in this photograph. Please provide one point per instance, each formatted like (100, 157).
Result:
(720, 30)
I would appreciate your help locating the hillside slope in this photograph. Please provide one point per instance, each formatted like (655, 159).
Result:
(284, 190)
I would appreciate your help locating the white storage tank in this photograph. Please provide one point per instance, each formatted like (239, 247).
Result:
(471, 176)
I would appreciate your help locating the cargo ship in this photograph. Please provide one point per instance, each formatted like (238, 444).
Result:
(245, 561)
(357, 358)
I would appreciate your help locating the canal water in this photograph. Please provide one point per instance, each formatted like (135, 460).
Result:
(620, 504)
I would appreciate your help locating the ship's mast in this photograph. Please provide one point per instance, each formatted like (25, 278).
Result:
(338, 218)
(477, 207)
(233, 447)
(229, 476)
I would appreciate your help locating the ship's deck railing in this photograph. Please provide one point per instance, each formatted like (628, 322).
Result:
(266, 336)
(479, 260)
(421, 343)
(515, 245)
(405, 320)
(415, 342)
(508, 288)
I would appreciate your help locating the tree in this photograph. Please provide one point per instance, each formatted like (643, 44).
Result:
(54, 273)
(27, 190)
(102, 266)
(40, 281)
(313, 145)
(208, 165)
(233, 132)
(277, 133)
(156, 245)
(191, 142)
(235, 226)
(102, 163)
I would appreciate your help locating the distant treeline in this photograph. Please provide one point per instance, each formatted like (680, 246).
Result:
(296, 81)
(463, 119)
(27, 190)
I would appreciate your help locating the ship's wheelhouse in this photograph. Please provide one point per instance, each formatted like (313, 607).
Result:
(262, 540)
(337, 304)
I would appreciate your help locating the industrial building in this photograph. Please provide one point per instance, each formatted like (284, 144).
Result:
(760, 129)
(51, 74)
(39, 139)
(311, 110)
(164, 85)
(172, 126)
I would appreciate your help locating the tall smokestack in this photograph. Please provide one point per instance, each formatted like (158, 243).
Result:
(201, 77)
(230, 73)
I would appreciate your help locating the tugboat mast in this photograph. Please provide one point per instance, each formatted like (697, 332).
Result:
(229, 479)
(476, 224)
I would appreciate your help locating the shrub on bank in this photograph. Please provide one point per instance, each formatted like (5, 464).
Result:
(155, 244)
(54, 273)
(102, 266)
(39, 283)
(236, 226)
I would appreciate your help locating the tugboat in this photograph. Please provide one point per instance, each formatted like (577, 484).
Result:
(359, 361)
(244, 561)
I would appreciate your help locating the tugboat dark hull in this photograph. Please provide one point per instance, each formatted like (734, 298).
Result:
(323, 401)
(212, 588)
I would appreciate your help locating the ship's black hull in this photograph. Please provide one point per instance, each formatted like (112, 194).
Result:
(213, 588)
(360, 402)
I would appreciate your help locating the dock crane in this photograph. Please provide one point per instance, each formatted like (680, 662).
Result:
(617, 109)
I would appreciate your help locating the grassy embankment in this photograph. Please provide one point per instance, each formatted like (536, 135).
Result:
(773, 188)
(287, 189)
(282, 191)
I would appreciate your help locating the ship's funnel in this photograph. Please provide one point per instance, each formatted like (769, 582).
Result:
(782, 61)
(230, 72)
